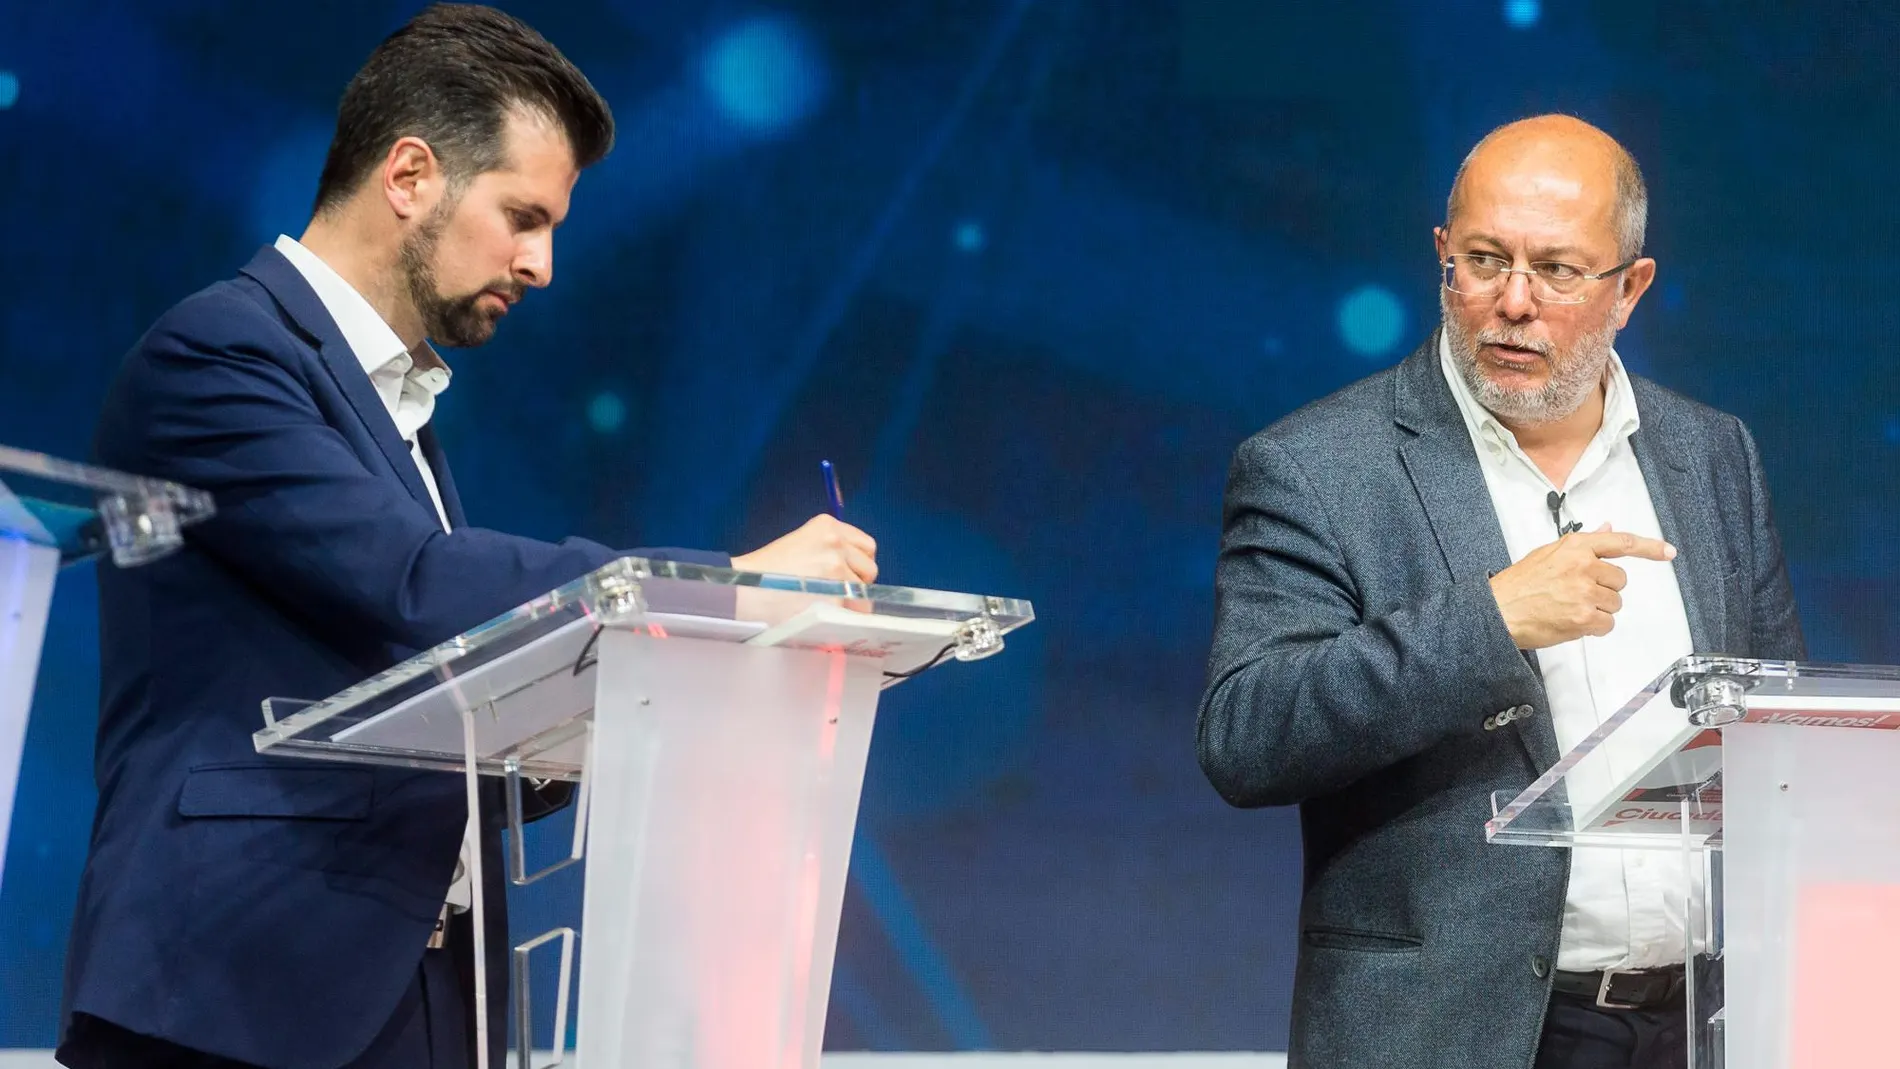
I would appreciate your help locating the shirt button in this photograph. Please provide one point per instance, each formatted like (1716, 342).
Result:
(1540, 966)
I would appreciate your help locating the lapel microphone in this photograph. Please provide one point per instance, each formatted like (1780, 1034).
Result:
(1554, 501)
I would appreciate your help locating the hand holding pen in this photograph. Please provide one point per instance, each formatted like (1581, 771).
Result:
(826, 547)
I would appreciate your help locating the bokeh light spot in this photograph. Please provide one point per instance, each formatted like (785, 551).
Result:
(606, 413)
(1371, 320)
(765, 74)
(969, 236)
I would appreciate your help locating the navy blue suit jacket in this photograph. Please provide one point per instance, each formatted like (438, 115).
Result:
(264, 909)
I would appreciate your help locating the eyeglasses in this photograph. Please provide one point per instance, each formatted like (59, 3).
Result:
(1479, 274)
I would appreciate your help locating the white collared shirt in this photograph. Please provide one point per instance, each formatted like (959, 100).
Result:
(1624, 908)
(408, 393)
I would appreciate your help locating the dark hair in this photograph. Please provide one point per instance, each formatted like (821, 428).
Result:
(449, 77)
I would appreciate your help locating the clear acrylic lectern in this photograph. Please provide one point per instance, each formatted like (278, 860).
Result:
(54, 513)
(716, 724)
(1776, 786)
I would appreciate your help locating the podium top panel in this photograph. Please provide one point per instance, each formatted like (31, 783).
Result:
(85, 511)
(1651, 775)
(532, 669)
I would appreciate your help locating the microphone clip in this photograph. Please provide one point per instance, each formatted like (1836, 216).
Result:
(1554, 501)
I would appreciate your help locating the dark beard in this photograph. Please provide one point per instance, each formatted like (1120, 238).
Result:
(454, 322)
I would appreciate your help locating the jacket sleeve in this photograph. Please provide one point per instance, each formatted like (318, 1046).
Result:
(298, 514)
(1775, 625)
(1305, 693)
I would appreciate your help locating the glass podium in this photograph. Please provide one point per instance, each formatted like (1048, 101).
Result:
(1775, 785)
(715, 724)
(54, 513)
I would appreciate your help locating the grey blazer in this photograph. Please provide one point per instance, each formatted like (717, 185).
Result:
(1357, 654)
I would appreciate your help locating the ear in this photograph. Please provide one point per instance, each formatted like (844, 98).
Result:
(412, 178)
(1636, 282)
(1440, 242)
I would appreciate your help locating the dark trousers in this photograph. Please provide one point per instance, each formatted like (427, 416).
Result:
(1581, 1035)
(431, 1029)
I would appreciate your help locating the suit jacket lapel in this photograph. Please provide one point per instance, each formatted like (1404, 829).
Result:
(301, 303)
(1443, 466)
(444, 482)
(1686, 511)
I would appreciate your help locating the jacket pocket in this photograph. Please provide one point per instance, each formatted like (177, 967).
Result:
(280, 791)
(1368, 942)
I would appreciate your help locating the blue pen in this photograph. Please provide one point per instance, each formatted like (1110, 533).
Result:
(832, 497)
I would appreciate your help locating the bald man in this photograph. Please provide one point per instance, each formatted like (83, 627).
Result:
(1436, 581)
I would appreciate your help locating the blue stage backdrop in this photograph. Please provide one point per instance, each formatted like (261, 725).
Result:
(1027, 270)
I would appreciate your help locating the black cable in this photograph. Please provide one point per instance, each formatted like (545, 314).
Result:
(925, 667)
(587, 659)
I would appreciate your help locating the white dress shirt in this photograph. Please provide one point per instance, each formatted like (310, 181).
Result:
(408, 390)
(1624, 908)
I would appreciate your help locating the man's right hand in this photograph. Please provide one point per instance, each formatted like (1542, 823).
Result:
(1569, 588)
(824, 548)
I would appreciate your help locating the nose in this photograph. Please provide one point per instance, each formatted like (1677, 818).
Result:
(1515, 302)
(534, 261)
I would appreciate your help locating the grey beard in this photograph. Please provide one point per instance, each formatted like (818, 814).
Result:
(1573, 374)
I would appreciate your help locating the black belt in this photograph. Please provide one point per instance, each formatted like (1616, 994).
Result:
(1642, 990)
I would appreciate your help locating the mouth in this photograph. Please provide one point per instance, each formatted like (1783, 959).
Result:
(500, 302)
(1513, 357)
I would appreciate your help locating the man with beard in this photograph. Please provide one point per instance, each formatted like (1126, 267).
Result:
(1435, 582)
(237, 910)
